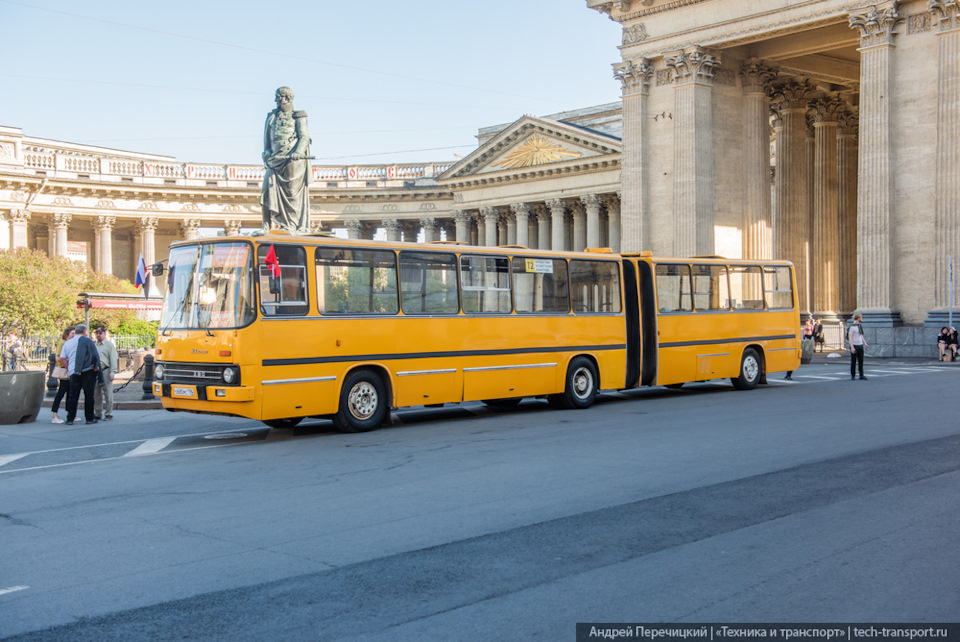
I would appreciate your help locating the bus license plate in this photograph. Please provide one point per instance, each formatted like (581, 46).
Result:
(183, 392)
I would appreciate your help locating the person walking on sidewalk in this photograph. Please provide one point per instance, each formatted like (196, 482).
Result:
(84, 367)
(857, 345)
(64, 386)
(103, 393)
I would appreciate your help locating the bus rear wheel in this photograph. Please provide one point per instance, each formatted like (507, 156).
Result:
(580, 390)
(751, 369)
(363, 402)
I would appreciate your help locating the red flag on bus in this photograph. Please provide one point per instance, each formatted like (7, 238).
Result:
(273, 263)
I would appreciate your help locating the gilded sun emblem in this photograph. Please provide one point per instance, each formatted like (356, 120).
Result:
(536, 150)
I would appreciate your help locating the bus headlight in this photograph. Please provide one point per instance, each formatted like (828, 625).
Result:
(229, 374)
(158, 372)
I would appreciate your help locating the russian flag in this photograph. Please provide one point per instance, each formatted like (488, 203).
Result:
(141, 272)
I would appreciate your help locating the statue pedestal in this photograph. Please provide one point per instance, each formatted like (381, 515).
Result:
(21, 395)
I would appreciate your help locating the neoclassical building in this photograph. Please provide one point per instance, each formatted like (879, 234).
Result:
(826, 132)
(858, 105)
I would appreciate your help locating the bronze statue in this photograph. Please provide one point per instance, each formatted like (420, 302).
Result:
(285, 196)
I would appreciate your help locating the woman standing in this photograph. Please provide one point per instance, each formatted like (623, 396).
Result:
(857, 345)
(64, 383)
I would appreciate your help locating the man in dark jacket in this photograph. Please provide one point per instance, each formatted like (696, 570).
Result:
(83, 376)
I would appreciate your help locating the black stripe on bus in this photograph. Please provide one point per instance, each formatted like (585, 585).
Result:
(428, 355)
(680, 344)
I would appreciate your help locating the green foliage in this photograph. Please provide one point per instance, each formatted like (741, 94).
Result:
(136, 327)
(38, 293)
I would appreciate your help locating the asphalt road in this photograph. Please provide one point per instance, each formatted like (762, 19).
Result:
(819, 500)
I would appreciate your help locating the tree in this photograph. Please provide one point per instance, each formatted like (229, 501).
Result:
(38, 293)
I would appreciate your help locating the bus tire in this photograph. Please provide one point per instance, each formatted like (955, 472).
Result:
(580, 390)
(751, 371)
(289, 422)
(363, 402)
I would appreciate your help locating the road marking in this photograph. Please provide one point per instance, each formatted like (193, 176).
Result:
(6, 459)
(13, 589)
(151, 446)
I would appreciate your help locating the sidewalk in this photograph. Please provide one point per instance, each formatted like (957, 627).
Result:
(842, 358)
(129, 397)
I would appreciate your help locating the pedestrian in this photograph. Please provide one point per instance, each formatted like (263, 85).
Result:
(103, 394)
(64, 387)
(84, 366)
(818, 337)
(857, 345)
(13, 352)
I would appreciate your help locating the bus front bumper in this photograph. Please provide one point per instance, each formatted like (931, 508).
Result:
(192, 392)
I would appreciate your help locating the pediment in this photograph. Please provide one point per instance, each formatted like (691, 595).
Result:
(534, 144)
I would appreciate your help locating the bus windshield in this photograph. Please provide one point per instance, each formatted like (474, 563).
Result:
(209, 285)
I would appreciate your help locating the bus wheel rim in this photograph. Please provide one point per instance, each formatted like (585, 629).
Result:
(363, 400)
(582, 383)
(751, 368)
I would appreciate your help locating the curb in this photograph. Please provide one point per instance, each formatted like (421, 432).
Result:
(145, 404)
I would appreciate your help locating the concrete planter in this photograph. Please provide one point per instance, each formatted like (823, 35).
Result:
(21, 394)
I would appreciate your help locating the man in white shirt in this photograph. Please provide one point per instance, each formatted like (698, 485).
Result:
(857, 345)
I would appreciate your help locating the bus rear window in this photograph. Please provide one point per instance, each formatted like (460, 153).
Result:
(778, 288)
(595, 286)
(673, 288)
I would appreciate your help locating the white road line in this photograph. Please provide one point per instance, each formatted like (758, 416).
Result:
(6, 459)
(832, 378)
(13, 589)
(151, 446)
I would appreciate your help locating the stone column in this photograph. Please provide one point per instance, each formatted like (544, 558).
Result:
(510, 224)
(410, 230)
(429, 224)
(354, 229)
(826, 206)
(693, 151)
(521, 212)
(190, 229)
(543, 227)
(4, 230)
(232, 228)
(463, 220)
(847, 200)
(579, 226)
(104, 243)
(392, 227)
(792, 217)
(756, 77)
(61, 223)
(490, 216)
(612, 203)
(558, 212)
(18, 228)
(946, 20)
(591, 203)
(634, 76)
(875, 184)
(147, 231)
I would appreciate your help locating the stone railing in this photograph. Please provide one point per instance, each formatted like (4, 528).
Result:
(73, 165)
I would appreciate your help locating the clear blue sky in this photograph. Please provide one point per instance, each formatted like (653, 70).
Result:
(382, 81)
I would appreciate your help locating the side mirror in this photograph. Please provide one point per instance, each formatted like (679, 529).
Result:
(156, 269)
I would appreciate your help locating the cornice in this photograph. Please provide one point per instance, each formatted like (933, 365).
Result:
(592, 165)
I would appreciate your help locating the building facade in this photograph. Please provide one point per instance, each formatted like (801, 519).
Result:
(858, 105)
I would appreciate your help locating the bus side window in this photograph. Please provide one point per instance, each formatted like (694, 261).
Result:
(540, 285)
(710, 288)
(286, 295)
(778, 288)
(673, 288)
(356, 281)
(595, 286)
(485, 283)
(428, 283)
(746, 287)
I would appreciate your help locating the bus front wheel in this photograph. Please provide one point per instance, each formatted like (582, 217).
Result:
(751, 369)
(580, 390)
(363, 402)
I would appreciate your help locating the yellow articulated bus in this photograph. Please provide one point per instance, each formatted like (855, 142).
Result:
(279, 327)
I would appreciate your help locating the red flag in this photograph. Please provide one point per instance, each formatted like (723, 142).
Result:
(273, 263)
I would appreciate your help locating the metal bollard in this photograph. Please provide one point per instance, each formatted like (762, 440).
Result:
(148, 378)
(52, 384)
